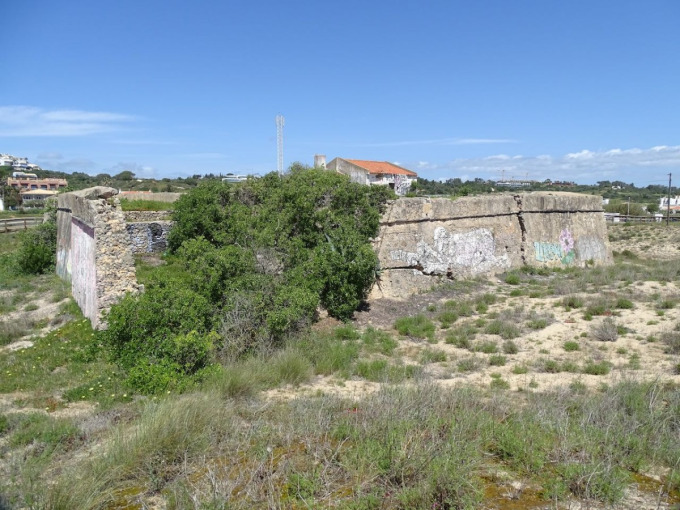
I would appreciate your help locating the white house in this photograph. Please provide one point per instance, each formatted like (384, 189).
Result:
(674, 203)
(375, 173)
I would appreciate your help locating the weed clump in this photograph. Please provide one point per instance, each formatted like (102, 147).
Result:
(417, 326)
(606, 330)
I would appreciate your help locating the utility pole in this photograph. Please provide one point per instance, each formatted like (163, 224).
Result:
(279, 143)
(668, 209)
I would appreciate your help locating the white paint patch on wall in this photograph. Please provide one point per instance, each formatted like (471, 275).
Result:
(590, 248)
(83, 270)
(474, 251)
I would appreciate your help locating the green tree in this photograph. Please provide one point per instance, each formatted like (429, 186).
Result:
(652, 208)
(125, 175)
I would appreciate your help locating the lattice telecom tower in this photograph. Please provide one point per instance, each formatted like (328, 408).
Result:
(279, 143)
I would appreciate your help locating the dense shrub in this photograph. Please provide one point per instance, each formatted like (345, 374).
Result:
(250, 264)
(37, 249)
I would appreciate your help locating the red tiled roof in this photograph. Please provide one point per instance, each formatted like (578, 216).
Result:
(381, 167)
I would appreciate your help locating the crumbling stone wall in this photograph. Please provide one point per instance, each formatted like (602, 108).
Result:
(148, 230)
(93, 250)
(424, 241)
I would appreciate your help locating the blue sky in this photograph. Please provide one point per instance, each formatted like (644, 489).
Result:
(575, 90)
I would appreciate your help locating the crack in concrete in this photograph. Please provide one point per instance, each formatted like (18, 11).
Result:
(523, 229)
(476, 216)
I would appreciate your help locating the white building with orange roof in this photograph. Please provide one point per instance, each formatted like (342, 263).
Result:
(375, 173)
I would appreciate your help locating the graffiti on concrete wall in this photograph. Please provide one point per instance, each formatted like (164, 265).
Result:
(562, 251)
(474, 250)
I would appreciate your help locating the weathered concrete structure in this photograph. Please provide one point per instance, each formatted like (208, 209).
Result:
(93, 250)
(423, 241)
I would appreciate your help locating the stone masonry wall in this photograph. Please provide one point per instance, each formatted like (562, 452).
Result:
(149, 236)
(93, 250)
(148, 230)
(424, 241)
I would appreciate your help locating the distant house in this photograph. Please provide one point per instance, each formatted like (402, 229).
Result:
(375, 173)
(36, 196)
(28, 181)
(674, 203)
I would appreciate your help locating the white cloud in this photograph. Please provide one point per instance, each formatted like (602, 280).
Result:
(33, 121)
(439, 141)
(586, 166)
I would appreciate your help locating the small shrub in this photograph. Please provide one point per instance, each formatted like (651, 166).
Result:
(376, 340)
(672, 341)
(461, 337)
(516, 292)
(537, 323)
(470, 364)
(447, 318)
(498, 383)
(4, 424)
(572, 302)
(605, 331)
(487, 347)
(290, 367)
(346, 332)
(37, 249)
(520, 369)
(487, 298)
(550, 366)
(497, 360)
(432, 356)
(571, 367)
(634, 362)
(513, 279)
(510, 347)
(597, 368)
(571, 346)
(418, 326)
(667, 304)
(624, 304)
(504, 329)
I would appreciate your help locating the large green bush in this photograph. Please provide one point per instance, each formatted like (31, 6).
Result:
(250, 265)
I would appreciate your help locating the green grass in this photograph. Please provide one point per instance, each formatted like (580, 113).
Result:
(417, 326)
(375, 340)
(146, 205)
(505, 329)
(487, 347)
(432, 356)
(513, 278)
(461, 336)
(572, 302)
(447, 317)
(597, 367)
(571, 346)
(497, 360)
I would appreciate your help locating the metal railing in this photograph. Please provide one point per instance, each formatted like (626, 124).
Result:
(622, 218)
(14, 224)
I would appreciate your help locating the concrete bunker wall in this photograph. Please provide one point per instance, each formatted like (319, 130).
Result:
(93, 250)
(424, 241)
